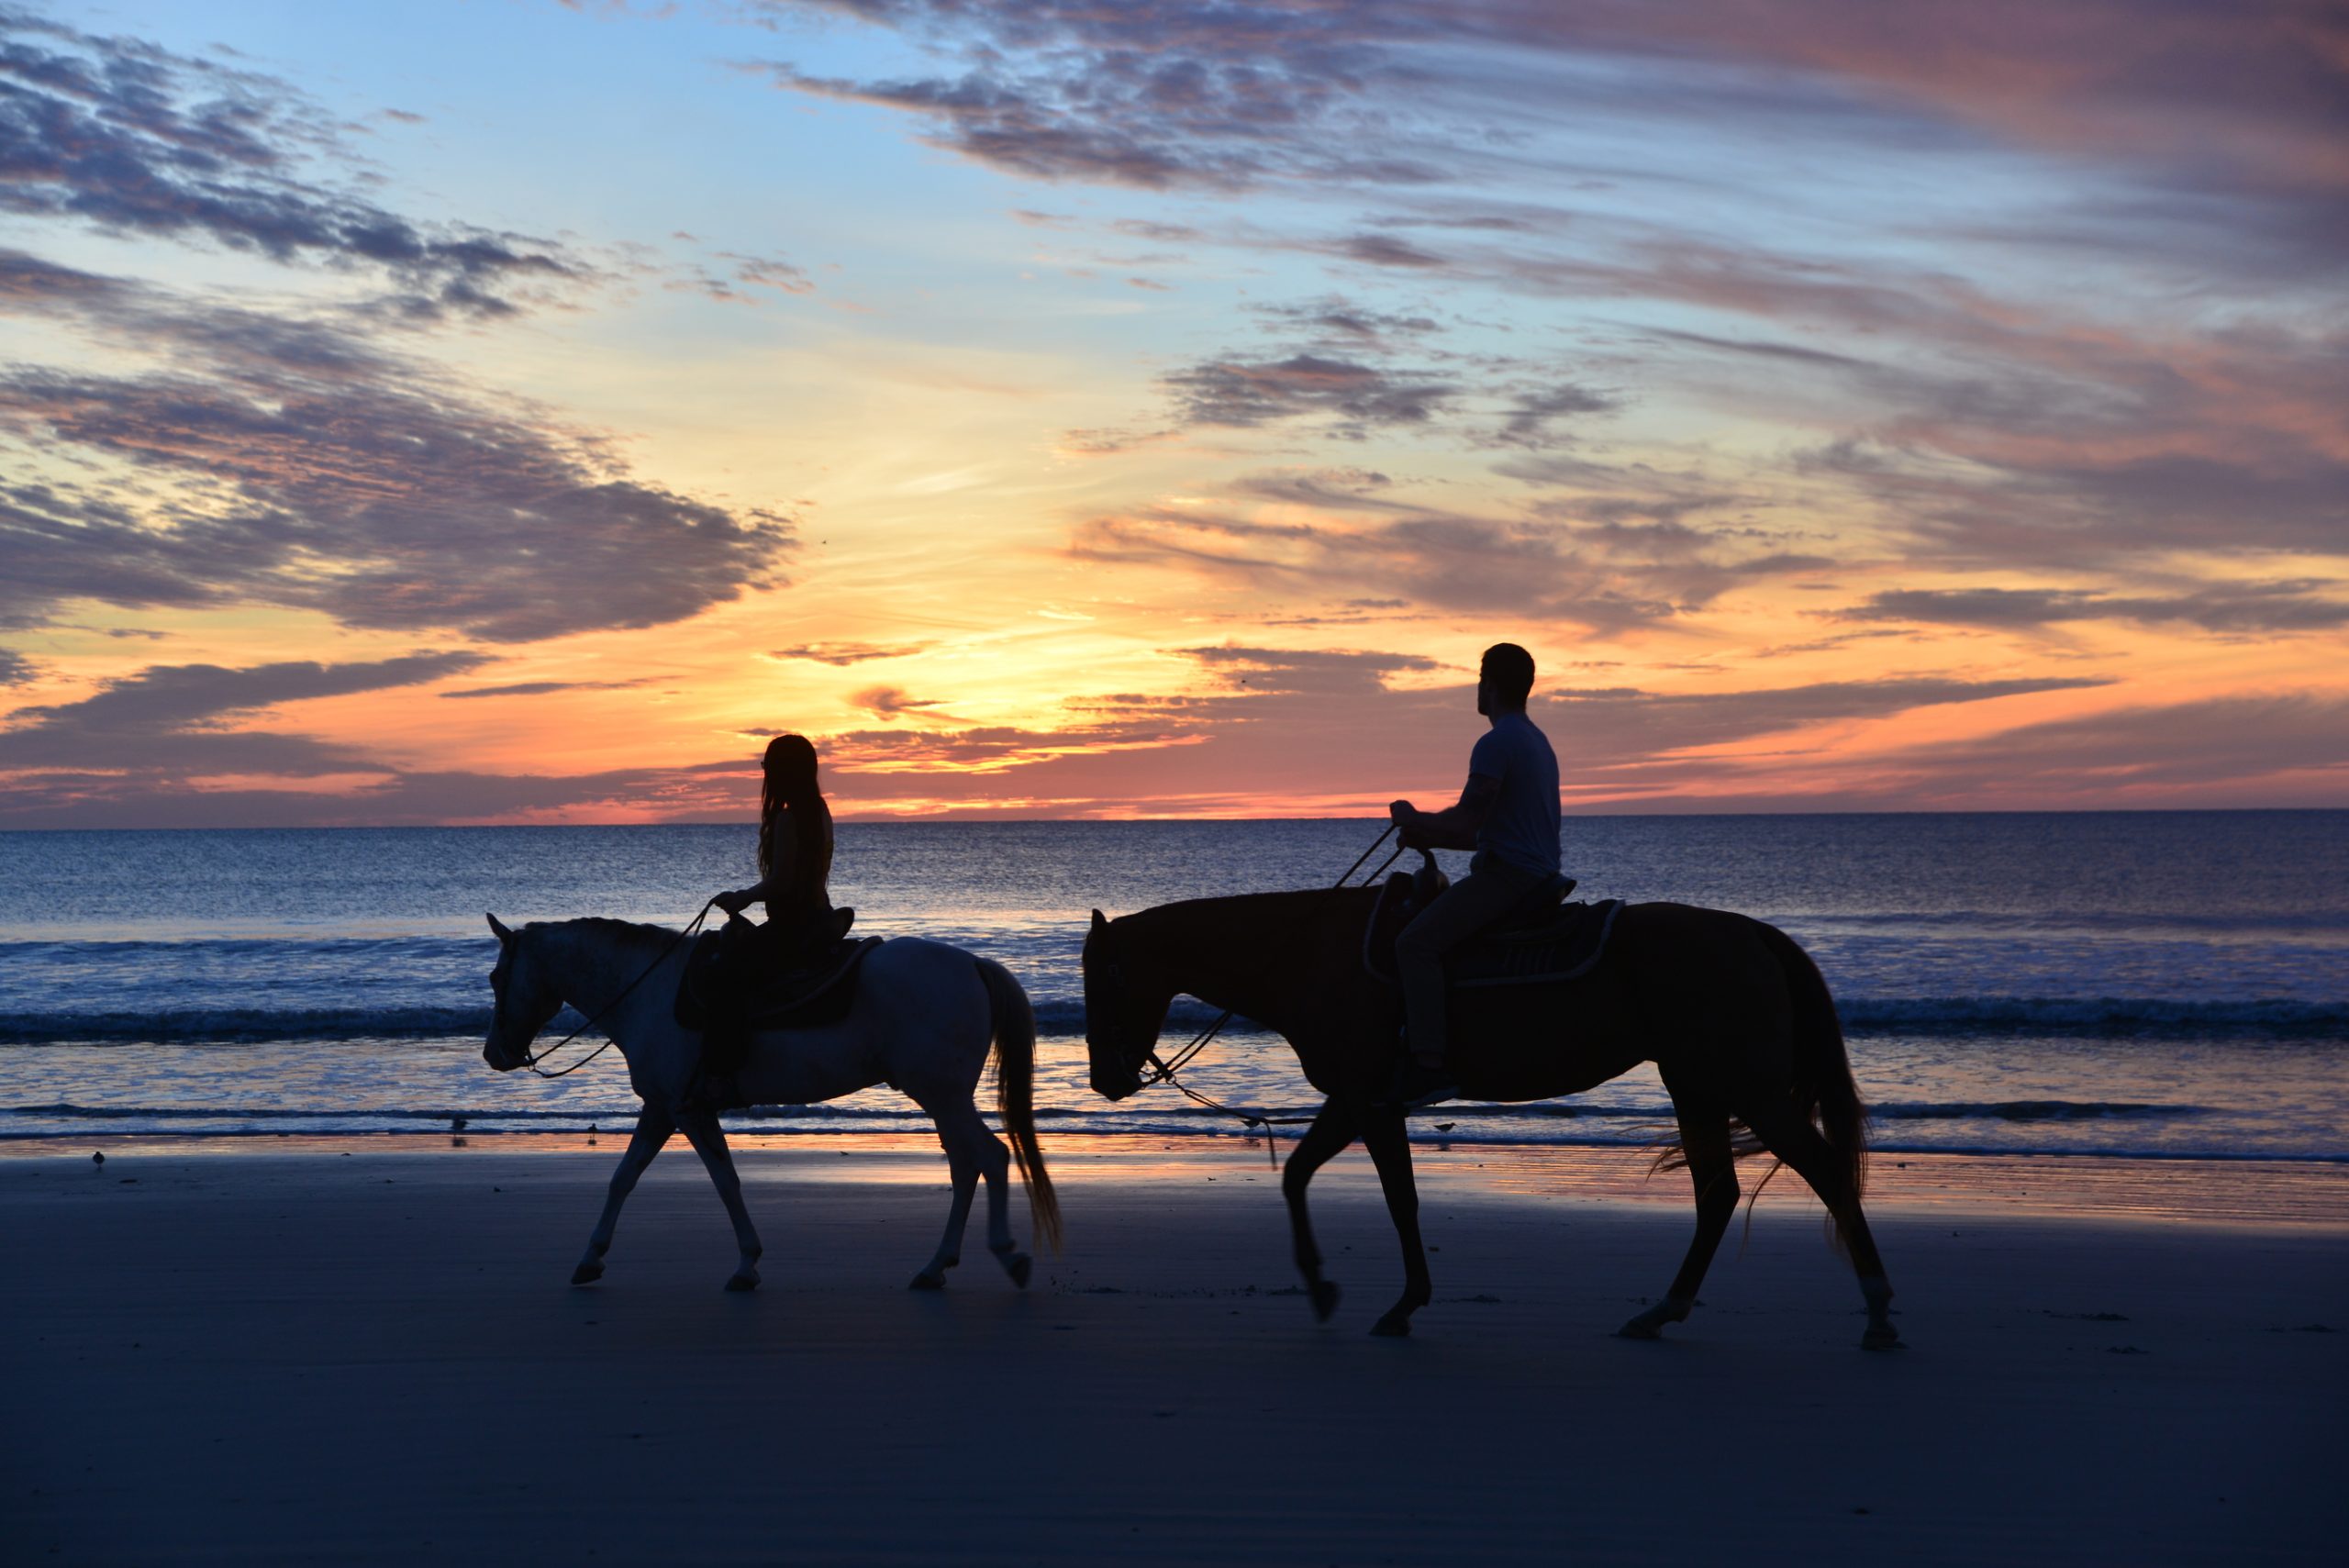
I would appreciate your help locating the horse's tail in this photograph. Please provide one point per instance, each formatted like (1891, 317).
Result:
(1823, 1090)
(1015, 1086)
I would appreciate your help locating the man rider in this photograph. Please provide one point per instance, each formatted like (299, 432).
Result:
(1509, 814)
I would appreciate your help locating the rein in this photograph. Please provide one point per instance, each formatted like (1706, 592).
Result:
(1164, 1070)
(532, 1060)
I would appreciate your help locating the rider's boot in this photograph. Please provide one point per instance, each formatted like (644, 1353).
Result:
(1416, 1083)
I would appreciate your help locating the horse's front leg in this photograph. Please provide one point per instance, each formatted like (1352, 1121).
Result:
(1390, 1148)
(709, 1143)
(1332, 1129)
(653, 1126)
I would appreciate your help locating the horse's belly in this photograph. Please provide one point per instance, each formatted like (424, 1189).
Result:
(806, 1069)
(1535, 1042)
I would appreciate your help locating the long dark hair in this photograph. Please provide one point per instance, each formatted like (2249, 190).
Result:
(789, 791)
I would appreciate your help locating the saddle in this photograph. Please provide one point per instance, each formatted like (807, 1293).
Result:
(1542, 941)
(816, 991)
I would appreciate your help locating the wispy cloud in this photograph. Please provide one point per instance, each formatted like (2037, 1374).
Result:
(130, 138)
(2257, 607)
(846, 653)
(284, 445)
(1157, 96)
(745, 280)
(541, 688)
(2233, 114)
(1355, 397)
(1996, 426)
(892, 702)
(2277, 747)
(1604, 576)
(170, 720)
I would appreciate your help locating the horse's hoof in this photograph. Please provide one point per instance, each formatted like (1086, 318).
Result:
(1881, 1336)
(1325, 1300)
(1649, 1325)
(928, 1279)
(743, 1281)
(1020, 1265)
(588, 1273)
(1394, 1326)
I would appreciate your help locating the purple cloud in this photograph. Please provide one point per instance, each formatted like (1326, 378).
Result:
(2237, 607)
(283, 443)
(167, 721)
(1242, 393)
(130, 138)
(843, 654)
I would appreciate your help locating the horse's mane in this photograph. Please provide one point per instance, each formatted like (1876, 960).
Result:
(605, 926)
(1298, 896)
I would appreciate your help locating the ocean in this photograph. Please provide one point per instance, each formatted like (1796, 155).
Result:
(2143, 984)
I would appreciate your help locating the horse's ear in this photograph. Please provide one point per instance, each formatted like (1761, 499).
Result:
(1098, 923)
(497, 928)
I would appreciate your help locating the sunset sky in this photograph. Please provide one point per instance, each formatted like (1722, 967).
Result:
(440, 412)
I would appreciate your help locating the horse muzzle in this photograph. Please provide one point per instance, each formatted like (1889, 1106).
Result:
(1115, 1082)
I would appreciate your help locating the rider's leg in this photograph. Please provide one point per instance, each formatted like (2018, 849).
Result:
(745, 952)
(1458, 913)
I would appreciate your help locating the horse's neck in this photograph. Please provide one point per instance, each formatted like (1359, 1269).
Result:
(1255, 953)
(592, 961)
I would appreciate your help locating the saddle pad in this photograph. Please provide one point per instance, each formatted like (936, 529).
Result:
(810, 997)
(1561, 949)
(1559, 943)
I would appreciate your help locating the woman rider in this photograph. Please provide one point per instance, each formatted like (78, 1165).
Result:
(795, 845)
(795, 865)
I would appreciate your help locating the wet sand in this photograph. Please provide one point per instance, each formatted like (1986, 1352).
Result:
(367, 1351)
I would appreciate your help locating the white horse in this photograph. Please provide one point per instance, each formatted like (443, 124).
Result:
(923, 1017)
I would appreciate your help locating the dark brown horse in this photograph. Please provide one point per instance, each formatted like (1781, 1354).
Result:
(1735, 1014)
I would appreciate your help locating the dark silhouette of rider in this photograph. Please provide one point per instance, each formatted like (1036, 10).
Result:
(794, 873)
(1508, 813)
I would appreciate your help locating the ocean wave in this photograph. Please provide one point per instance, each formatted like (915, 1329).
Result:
(181, 1026)
(2094, 1018)
(2286, 923)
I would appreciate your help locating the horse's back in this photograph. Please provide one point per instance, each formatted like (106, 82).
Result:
(1663, 945)
(1675, 984)
(913, 982)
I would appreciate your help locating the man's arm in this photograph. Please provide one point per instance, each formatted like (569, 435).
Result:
(1453, 828)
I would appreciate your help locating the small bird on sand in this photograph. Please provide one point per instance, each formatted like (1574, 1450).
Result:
(96, 1158)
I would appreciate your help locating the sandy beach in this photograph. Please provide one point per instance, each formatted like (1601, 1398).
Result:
(367, 1351)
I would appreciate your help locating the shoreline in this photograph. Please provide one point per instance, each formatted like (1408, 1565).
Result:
(2311, 1194)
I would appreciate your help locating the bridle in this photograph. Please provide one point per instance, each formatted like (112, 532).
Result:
(1163, 1069)
(531, 1059)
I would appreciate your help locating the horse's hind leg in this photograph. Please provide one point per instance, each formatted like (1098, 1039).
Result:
(1332, 1129)
(995, 1165)
(709, 1143)
(1712, 1169)
(653, 1129)
(1390, 1149)
(962, 1162)
(1791, 1138)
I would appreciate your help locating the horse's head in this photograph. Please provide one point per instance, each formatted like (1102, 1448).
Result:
(525, 1001)
(1123, 1012)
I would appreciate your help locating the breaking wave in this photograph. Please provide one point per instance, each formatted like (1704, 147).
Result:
(2094, 1018)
